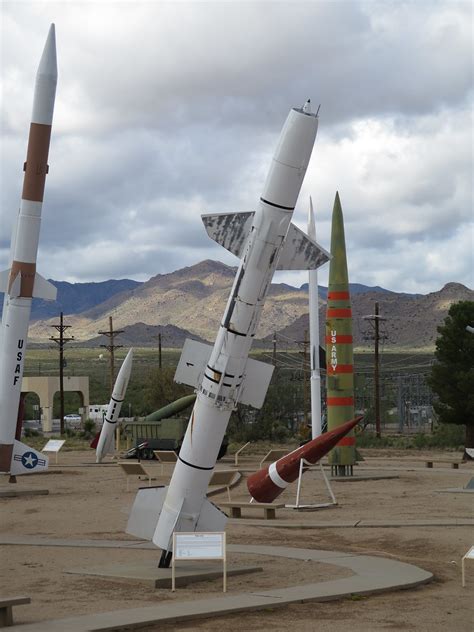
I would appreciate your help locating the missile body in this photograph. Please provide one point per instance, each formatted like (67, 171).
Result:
(339, 347)
(315, 381)
(106, 438)
(21, 282)
(223, 374)
(268, 483)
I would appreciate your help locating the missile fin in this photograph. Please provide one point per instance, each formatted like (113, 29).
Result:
(257, 376)
(4, 276)
(26, 460)
(300, 252)
(44, 289)
(145, 512)
(229, 230)
(194, 358)
(211, 518)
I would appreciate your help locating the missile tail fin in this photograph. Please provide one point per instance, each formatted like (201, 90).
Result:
(26, 460)
(4, 276)
(194, 358)
(145, 512)
(44, 289)
(230, 230)
(300, 252)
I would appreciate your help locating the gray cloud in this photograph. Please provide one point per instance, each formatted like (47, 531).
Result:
(168, 110)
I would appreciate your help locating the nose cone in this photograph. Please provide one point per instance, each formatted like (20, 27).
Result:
(338, 266)
(307, 107)
(48, 66)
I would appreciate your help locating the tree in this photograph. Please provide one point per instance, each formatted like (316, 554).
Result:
(452, 376)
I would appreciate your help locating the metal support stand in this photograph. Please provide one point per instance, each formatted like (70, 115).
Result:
(297, 504)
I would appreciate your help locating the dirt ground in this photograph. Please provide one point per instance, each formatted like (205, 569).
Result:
(90, 502)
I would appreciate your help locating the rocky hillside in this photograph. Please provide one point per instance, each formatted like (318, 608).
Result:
(192, 300)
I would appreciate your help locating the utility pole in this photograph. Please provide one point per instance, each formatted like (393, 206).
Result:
(61, 341)
(274, 355)
(159, 351)
(110, 333)
(375, 319)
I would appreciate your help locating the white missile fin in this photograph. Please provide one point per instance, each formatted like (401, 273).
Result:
(192, 363)
(229, 230)
(44, 289)
(300, 252)
(4, 276)
(145, 512)
(211, 518)
(15, 289)
(26, 460)
(257, 376)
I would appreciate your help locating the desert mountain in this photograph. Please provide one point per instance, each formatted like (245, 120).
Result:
(194, 298)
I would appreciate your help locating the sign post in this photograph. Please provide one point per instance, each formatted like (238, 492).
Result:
(199, 546)
(54, 445)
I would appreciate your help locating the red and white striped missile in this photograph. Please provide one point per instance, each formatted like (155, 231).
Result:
(106, 438)
(268, 483)
(21, 282)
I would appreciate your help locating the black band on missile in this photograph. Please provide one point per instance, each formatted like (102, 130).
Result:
(285, 208)
(225, 384)
(228, 375)
(196, 467)
(119, 401)
(110, 422)
(237, 333)
(211, 379)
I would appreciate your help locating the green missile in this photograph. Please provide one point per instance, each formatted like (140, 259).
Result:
(172, 409)
(339, 348)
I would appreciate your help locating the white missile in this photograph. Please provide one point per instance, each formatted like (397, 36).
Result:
(21, 282)
(224, 375)
(316, 424)
(106, 438)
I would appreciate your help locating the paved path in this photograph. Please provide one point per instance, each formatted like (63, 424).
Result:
(371, 575)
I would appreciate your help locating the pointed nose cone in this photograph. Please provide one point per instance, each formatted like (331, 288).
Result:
(48, 65)
(338, 265)
(128, 360)
(307, 107)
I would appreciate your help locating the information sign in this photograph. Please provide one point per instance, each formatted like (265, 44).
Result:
(199, 546)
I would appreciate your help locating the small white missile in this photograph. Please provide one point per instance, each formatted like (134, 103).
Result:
(21, 282)
(106, 438)
(316, 423)
(223, 374)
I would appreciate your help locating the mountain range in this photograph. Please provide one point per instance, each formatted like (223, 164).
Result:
(191, 301)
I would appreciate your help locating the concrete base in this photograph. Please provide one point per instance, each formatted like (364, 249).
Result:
(15, 493)
(147, 572)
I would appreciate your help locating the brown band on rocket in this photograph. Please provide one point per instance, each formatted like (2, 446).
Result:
(36, 166)
(6, 451)
(27, 272)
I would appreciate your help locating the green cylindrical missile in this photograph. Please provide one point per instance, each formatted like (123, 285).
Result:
(339, 347)
(172, 409)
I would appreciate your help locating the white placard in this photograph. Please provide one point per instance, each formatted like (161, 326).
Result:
(54, 445)
(199, 546)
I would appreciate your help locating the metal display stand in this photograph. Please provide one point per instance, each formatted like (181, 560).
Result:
(298, 504)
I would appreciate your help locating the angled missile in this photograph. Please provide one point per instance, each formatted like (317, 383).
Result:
(339, 347)
(223, 374)
(105, 444)
(21, 282)
(268, 483)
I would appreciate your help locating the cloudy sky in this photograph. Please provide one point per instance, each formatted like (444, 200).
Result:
(167, 110)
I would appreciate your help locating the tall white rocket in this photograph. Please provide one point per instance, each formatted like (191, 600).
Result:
(316, 424)
(224, 375)
(21, 282)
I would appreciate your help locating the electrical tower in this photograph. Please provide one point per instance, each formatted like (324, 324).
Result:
(375, 320)
(111, 333)
(61, 340)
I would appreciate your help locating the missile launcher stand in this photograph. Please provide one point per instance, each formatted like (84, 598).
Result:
(298, 504)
